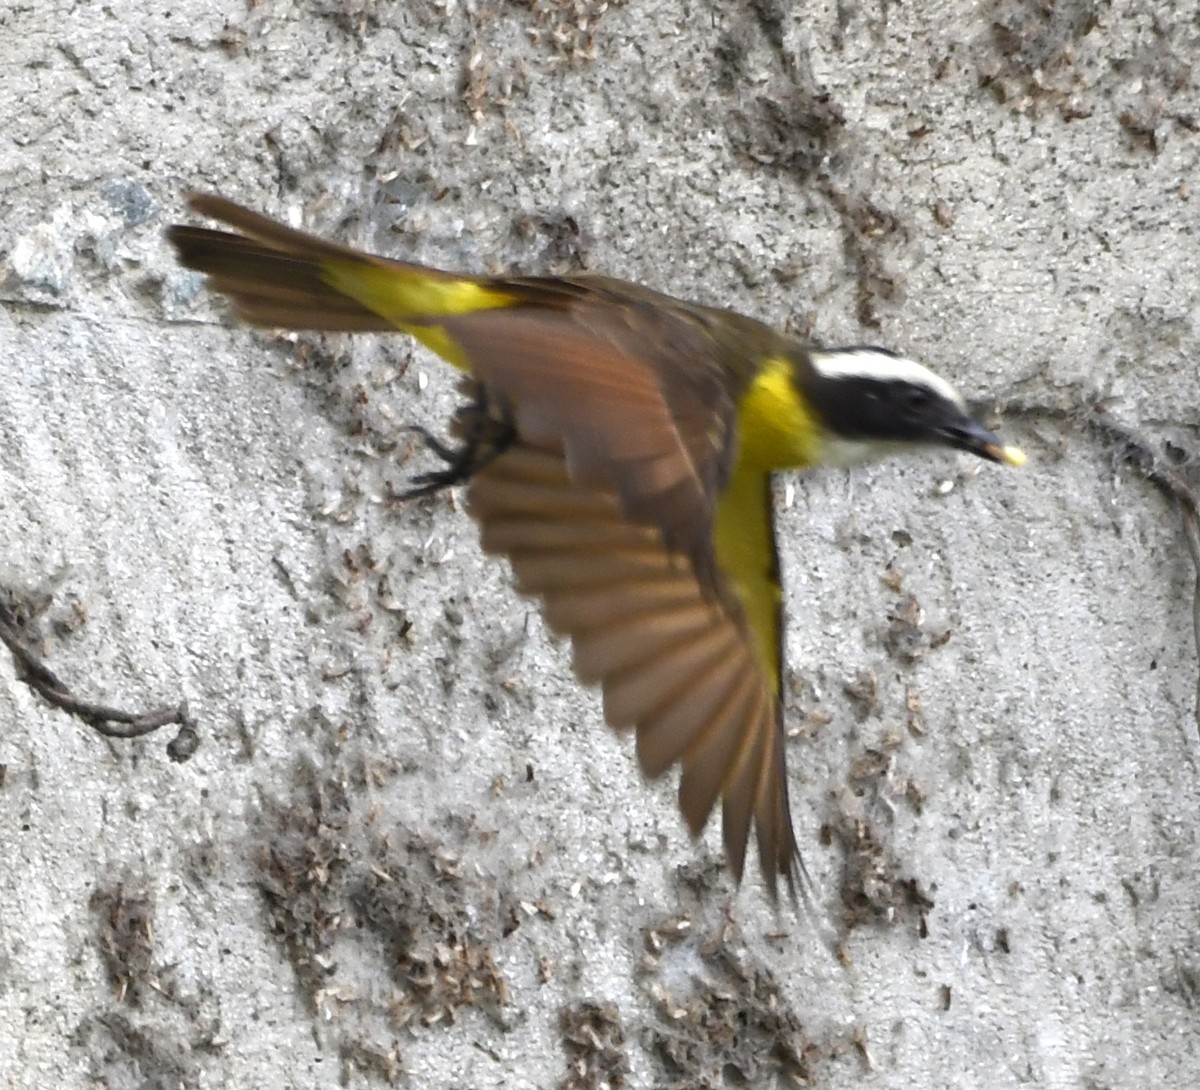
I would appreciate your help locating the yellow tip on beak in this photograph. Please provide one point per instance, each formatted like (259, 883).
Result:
(1010, 456)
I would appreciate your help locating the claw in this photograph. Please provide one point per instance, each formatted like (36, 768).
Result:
(485, 435)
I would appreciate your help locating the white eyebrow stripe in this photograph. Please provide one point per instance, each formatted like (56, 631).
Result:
(865, 363)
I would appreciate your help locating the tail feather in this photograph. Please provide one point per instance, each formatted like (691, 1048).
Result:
(278, 276)
(274, 235)
(270, 287)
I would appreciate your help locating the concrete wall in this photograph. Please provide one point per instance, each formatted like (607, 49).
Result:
(407, 846)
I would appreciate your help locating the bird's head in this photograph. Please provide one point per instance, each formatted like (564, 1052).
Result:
(872, 402)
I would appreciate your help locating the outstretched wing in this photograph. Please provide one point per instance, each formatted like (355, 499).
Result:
(683, 668)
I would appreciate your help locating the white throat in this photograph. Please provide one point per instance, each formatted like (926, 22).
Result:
(847, 453)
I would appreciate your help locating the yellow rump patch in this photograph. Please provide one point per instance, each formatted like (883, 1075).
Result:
(414, 299)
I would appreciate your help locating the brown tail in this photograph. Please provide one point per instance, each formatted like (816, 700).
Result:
(272, 273)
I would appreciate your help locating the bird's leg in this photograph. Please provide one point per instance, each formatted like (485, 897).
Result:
(485, 431)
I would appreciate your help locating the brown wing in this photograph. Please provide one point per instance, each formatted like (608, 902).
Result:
(582, 375)
(673, 662)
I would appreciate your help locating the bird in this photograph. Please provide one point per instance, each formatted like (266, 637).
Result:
(618, 446)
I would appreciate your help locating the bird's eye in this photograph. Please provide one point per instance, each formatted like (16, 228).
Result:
(916, 399)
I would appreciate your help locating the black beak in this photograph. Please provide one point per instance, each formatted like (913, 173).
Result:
(970, 435)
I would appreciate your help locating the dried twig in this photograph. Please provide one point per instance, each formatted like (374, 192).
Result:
(110, 722)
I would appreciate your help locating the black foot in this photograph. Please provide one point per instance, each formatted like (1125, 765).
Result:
(485, 433)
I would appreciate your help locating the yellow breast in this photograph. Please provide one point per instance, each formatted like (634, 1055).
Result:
(777, 430)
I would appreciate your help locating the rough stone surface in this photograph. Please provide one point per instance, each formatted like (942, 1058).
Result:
(407, 848)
